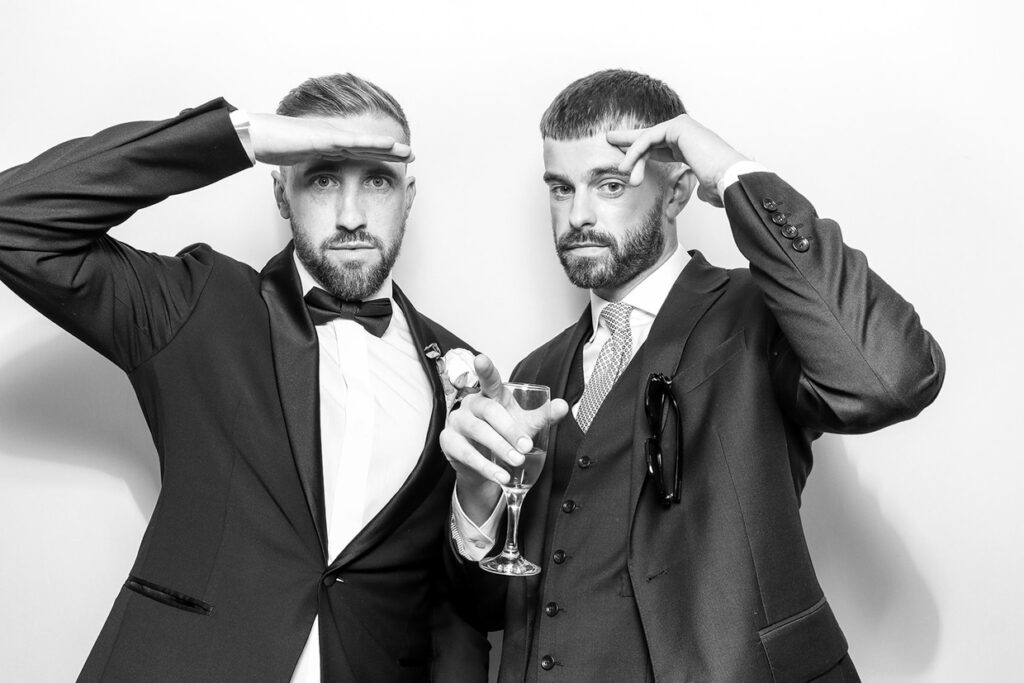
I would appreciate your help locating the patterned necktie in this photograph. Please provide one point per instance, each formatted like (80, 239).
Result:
(374, 316)
(611, 361)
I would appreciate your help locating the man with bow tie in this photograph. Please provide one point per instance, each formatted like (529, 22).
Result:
(666, 520)
(295, 411)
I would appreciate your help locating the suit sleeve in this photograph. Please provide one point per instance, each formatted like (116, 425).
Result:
(851, 354)
(55, 212)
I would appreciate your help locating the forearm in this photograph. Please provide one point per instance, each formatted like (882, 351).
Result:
(865, 360)
(68, 196)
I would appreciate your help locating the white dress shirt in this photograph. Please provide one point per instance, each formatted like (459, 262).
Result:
(375, 408)
(475, 542)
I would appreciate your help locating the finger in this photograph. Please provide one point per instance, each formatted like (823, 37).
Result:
(636, 176)
(490, 379)
(709, 196)
(624, 138)
(498, 420)
(463, 455)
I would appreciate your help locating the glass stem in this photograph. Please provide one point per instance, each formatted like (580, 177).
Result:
(514, 500)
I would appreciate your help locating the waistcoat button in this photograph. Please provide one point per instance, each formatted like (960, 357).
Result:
(547, 662)
(568, 506)
(558, 556)
(551, 609)
(585, 462)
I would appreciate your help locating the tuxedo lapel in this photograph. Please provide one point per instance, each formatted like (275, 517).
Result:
(296, 364)
(430, 466)
(695, 290)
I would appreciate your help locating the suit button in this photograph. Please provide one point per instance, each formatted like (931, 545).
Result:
(558, 556)
(551, 609)
(802, 244)
(584, 462)
(789, 232)
(547, 662)
(329, 580)
(568, 506)
(769, 204)
(780, 219)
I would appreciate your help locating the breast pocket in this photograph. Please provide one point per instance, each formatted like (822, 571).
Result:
(695, 374)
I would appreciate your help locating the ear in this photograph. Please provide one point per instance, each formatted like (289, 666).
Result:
(281, 193)
(682, 182)
(410, 193)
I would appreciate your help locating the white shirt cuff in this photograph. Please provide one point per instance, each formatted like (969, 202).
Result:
(240, 120)
(733, 173)
(474, 542)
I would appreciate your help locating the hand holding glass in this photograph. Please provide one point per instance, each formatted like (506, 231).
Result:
(530, 406)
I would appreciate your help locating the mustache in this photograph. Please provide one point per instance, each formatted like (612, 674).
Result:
(575, 238)
(354, 237)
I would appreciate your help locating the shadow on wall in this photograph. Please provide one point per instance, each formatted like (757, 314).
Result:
(64, 402)
(880, 598)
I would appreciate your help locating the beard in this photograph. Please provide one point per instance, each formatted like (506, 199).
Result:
(639, 249)
(348, 281)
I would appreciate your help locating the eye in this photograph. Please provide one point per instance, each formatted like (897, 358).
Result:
(612, 188)
(323, 182)
(560, 191)
(379, 182)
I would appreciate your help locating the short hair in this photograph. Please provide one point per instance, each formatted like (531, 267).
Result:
(608, 100)
(342, 95)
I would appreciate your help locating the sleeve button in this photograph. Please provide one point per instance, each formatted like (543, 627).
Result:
(789, 232)
(780, 219)
(802, 244)
(769, 204)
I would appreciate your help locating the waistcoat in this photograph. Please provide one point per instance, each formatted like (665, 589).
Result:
(586, 599)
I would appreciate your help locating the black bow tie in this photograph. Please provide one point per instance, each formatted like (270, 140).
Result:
(374, 316)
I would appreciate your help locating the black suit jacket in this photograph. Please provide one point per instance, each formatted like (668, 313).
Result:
(762, 362)
(233, 568)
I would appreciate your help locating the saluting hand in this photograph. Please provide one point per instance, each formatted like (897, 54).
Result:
(288, 140)
(679, 139)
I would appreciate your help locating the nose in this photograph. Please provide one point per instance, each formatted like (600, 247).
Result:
(350, 213)
(581, 215)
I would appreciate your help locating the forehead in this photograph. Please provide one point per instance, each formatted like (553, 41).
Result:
(576, 158)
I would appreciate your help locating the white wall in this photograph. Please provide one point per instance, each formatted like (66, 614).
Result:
(901, 120)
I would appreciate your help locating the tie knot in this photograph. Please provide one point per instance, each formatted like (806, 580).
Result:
(616, 316)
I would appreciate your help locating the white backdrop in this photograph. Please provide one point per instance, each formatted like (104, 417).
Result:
(900, 120)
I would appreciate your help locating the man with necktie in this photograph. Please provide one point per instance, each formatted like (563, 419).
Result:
(666, 520)
(295, 411)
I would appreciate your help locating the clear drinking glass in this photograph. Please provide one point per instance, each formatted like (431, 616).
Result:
(529, 405)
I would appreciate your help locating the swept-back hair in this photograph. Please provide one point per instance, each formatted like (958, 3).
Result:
(342, 95)
(609, 100)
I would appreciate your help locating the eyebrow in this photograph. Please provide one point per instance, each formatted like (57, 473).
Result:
(372, 166)
(593, 175)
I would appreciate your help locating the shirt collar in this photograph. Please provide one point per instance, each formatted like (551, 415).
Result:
(650, 294)
(308, 282)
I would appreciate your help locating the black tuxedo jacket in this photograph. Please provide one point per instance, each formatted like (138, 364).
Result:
(233, 568)
(762, 362)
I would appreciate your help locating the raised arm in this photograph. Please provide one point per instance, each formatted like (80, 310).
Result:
(851, 354)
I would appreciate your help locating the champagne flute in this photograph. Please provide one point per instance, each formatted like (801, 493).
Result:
(529, 406)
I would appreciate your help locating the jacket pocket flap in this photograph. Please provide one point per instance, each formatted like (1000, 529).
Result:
(168, 596)
(804, 645)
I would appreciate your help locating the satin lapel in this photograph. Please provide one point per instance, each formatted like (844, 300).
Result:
(696, 289)
(296, 363)
(522, 593)
(431, 464)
